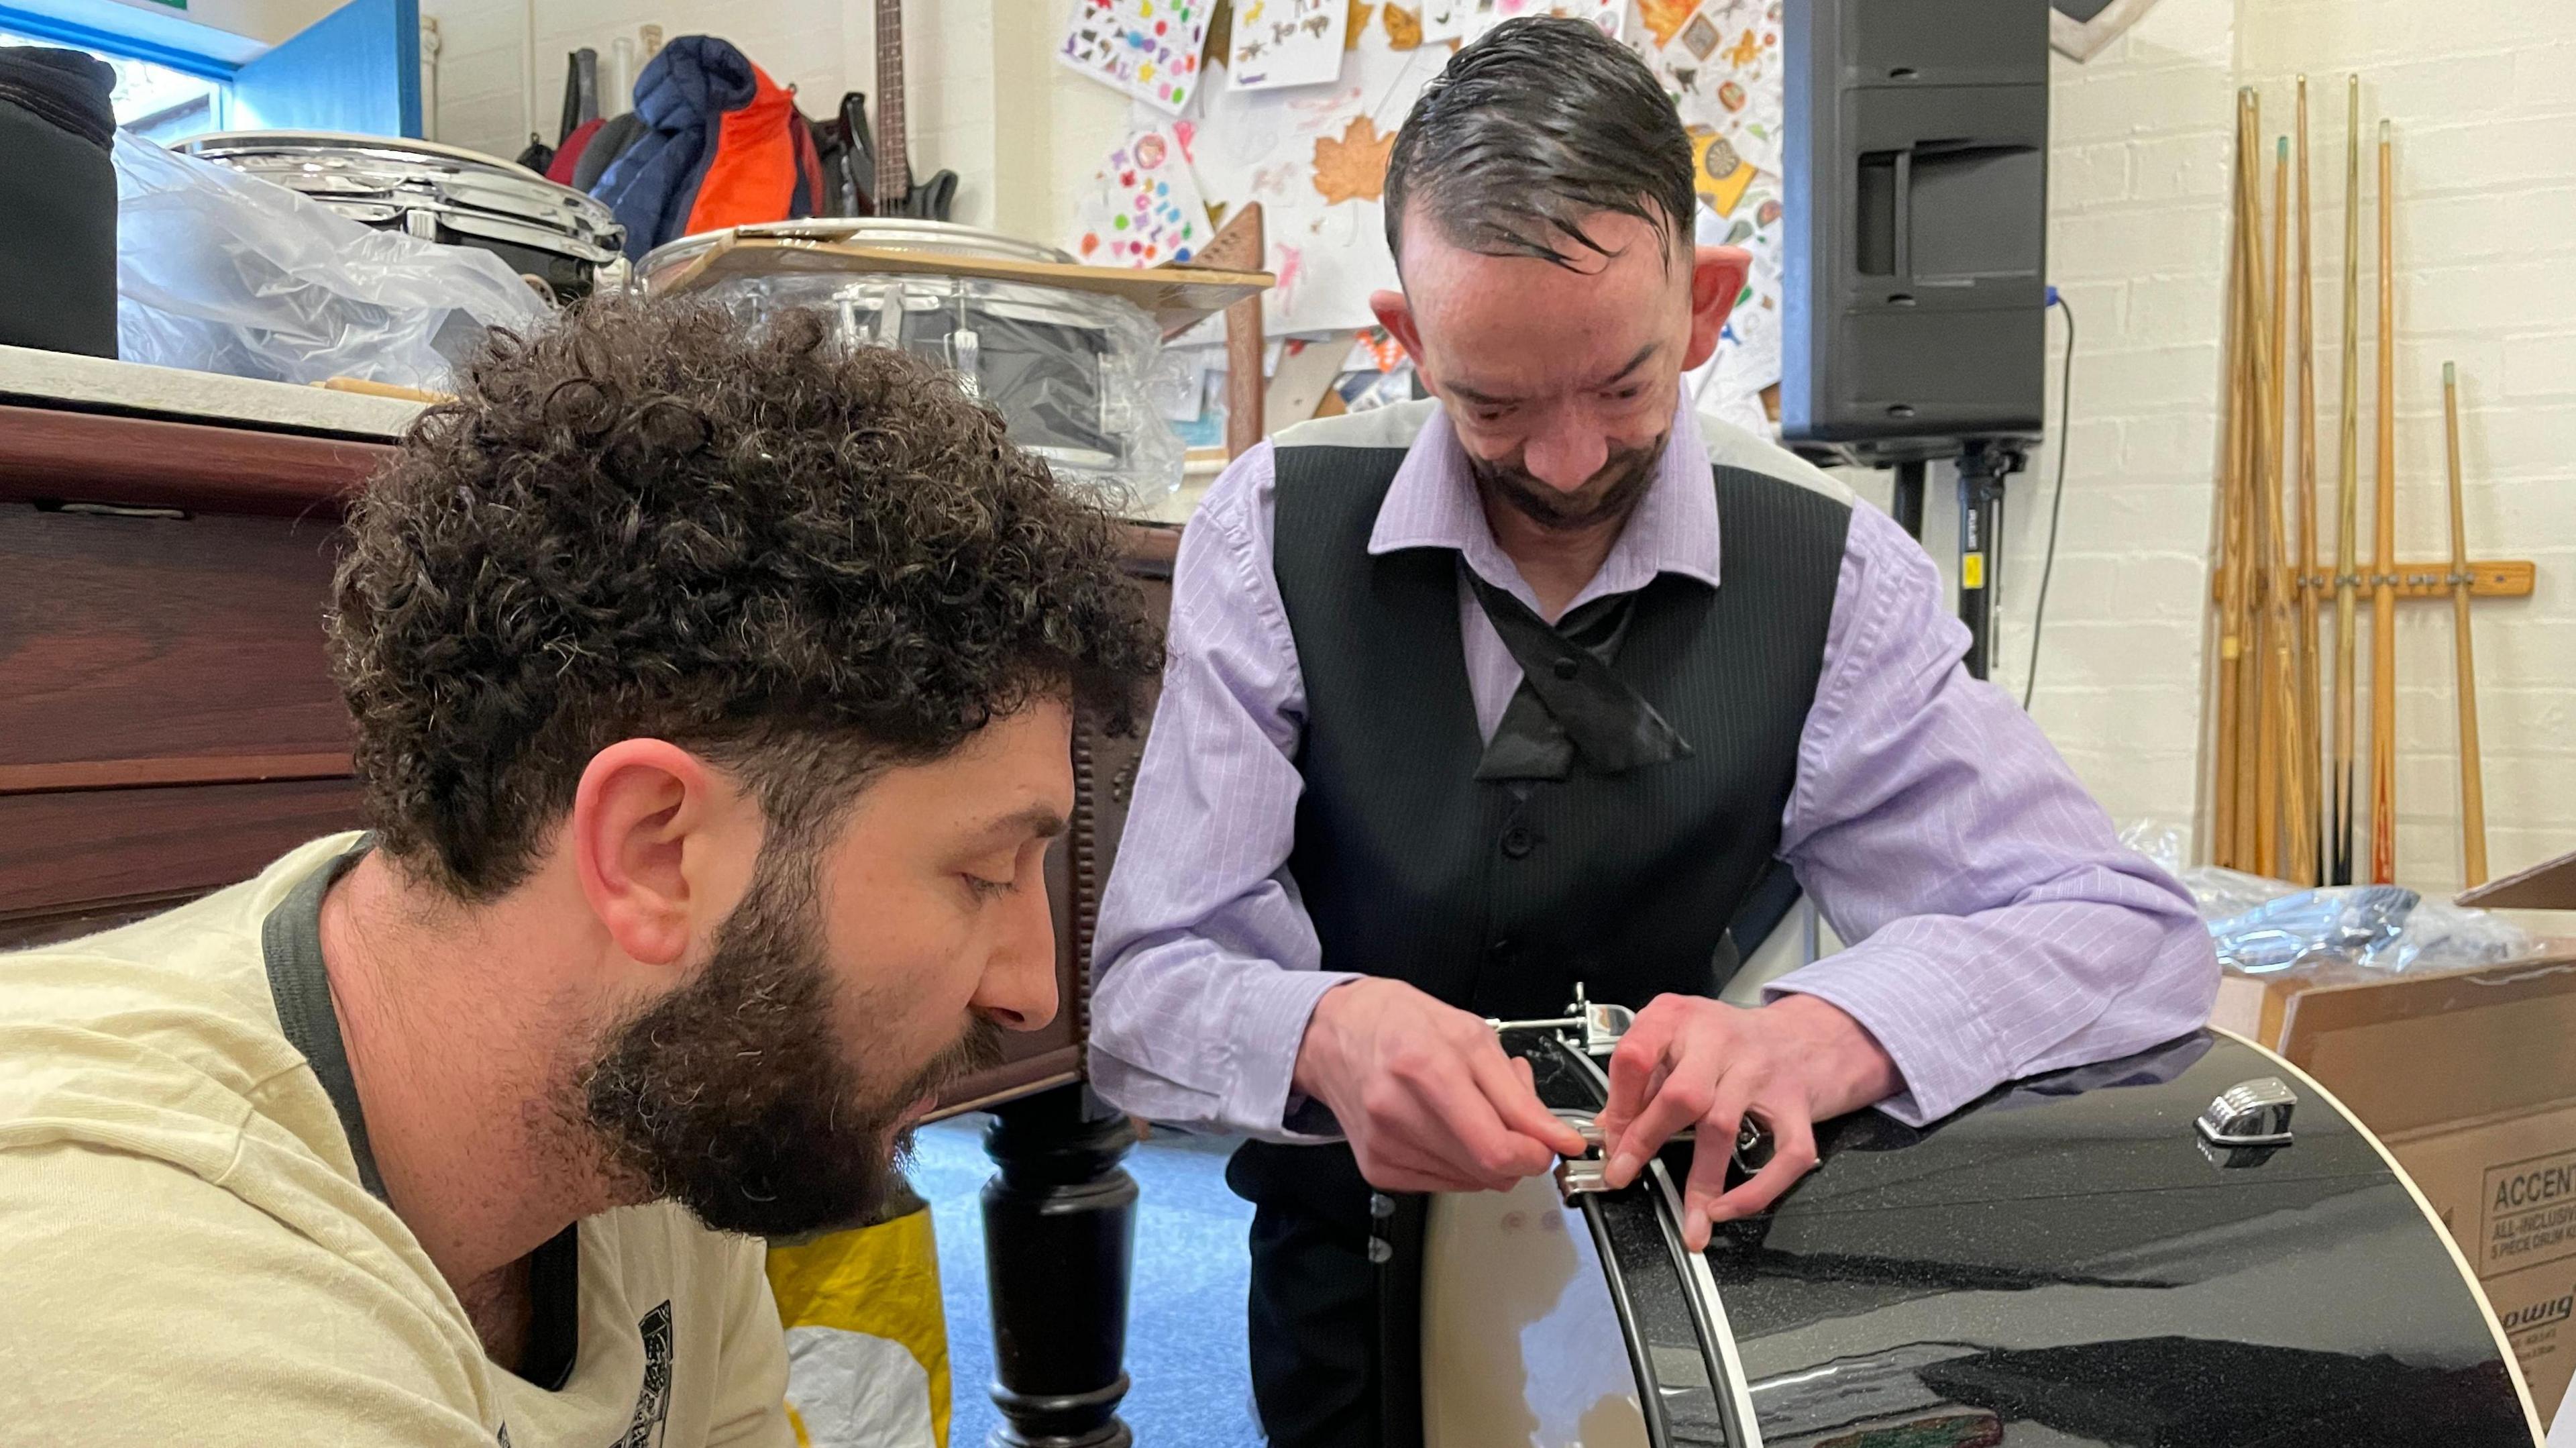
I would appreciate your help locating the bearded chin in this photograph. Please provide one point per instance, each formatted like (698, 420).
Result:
(1608, 495)
(733, 1096)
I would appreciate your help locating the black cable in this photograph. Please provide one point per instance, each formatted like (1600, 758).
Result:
(2057, 502)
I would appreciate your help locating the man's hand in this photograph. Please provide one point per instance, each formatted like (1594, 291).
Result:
(1690, 1062)
(1426, 1094)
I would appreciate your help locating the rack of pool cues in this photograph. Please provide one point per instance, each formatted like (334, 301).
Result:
(2285, 793)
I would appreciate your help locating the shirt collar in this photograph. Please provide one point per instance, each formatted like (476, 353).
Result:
(1433, 504)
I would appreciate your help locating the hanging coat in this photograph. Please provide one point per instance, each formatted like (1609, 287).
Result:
(722, 146)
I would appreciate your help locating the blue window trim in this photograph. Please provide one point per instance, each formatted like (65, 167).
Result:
(88, 37)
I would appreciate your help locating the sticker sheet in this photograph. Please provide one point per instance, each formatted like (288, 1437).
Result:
(1289, 42)
(1144, 206)
(1147, 48)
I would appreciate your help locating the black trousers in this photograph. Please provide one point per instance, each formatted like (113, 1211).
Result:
(1335, 1336)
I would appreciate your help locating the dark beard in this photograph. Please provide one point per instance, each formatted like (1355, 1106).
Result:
(732, 1095)
(1606, 497)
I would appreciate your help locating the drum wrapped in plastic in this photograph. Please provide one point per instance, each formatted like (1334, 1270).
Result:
(1073, 373)
(224, 272)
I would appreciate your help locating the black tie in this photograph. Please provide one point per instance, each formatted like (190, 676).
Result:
(1569, 701)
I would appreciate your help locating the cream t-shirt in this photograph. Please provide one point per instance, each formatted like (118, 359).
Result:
(189, 1253)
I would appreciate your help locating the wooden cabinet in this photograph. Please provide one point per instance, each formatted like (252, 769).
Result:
(167, 725)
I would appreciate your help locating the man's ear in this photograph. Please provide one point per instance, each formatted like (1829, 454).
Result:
(660, 844)
(1395, 314)
(1717, 279)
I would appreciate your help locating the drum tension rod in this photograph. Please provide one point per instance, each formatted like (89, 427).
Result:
(1600, 1026)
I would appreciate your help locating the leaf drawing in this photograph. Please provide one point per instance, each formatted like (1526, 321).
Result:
(1353, 167)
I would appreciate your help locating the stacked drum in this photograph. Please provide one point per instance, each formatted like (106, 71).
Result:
(564, 243)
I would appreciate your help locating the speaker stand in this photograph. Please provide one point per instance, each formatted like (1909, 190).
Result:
(1983, 466)
(1905, 501)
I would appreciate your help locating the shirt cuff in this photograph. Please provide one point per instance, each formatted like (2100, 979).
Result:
(1928, 1026)
(1275, 1006)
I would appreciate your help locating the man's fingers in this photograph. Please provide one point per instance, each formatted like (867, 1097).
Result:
(1399, 1168)
(1637, 1060)
(1688, 1092)
(1714, 1149)
(1512, 1089)
(1452, 1117)
(1793, 1155)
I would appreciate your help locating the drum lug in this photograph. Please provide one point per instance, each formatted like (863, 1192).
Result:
(2252, 1113)
(1580, 1176)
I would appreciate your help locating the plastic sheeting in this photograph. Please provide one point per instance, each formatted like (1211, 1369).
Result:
(224, 272)
(2271, 927)
(1075, 376)
(867, 1335)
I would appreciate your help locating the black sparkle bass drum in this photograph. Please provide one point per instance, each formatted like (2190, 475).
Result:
(2191, 1248)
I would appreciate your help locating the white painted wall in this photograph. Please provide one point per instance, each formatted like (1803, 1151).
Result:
(2141, 138)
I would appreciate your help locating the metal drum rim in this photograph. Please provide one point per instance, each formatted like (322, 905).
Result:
(547, 198)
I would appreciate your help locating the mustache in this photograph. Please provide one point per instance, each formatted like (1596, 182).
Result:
(977, 1048)
(1612, 491)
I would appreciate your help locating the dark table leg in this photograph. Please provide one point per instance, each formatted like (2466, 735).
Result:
(1059, 1236)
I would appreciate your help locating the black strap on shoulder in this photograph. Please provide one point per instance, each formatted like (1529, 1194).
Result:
(291, 941)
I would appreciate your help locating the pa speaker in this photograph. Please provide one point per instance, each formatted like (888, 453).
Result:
(1915, 226)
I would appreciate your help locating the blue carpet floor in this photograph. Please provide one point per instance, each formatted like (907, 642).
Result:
(1185, 1318)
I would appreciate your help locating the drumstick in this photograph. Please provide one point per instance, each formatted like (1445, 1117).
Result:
(2383, 600)
(2348, 489)
(2311, 788)
(2473, 801)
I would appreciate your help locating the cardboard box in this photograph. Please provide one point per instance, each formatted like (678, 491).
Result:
(2469, 1078)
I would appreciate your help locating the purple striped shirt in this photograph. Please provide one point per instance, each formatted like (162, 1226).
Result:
(1999, 927)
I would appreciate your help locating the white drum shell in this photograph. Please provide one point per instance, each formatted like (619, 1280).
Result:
(1520, 1342)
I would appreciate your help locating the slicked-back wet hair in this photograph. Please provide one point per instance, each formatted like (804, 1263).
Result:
(1531, 131)
(802, 560)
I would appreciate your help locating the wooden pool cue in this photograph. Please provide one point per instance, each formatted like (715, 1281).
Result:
(2249, 581)
(2294, 859)
(2257, 676)
(2272, 769)
(2239, 742)
(2383, 598)
(2348, 492)
(2231, 532)
(2311, 702)
(2473, 798)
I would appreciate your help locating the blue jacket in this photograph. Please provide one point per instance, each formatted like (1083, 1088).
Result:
(722, 145)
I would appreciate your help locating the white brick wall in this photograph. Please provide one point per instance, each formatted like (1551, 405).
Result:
(2486, 242)
(2484, 116)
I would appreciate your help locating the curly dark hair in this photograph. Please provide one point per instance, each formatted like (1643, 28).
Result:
(803, 560)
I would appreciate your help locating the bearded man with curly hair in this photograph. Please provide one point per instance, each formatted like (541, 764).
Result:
(713, 693)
